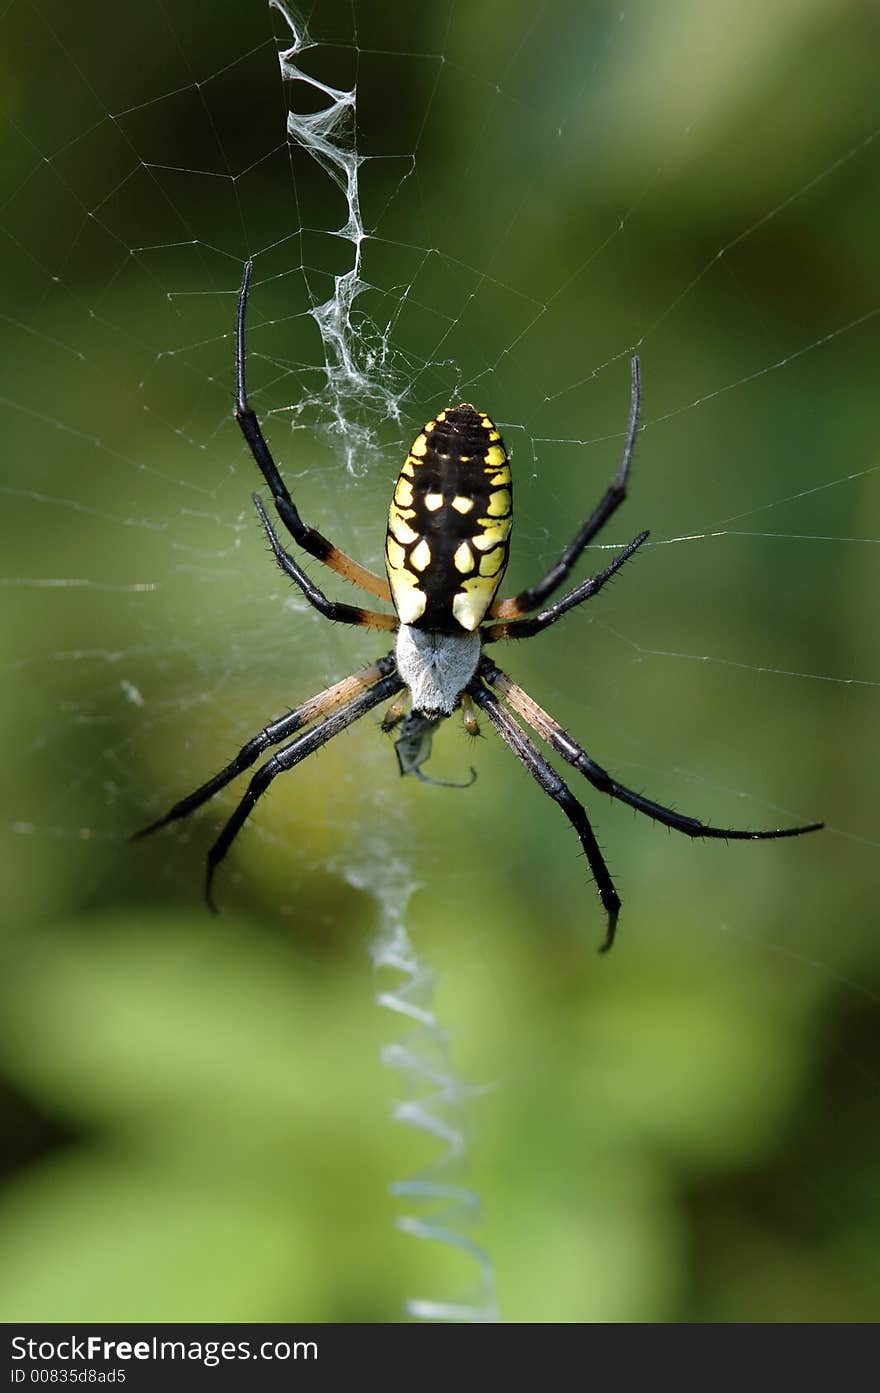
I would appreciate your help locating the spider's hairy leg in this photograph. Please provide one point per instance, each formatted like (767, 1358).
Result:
(525, 628)
(614, 495)
(517, 740)
(310, 540)
(469, 715)
(559, 740)
(331, 609)
(315, 709)
(396, 712)
(289, 756)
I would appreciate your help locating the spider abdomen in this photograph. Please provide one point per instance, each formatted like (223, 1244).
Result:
(449, 523)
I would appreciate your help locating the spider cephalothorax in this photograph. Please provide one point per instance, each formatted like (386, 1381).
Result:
(446, 553)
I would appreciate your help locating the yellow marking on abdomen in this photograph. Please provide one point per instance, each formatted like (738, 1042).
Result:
(400, 528)
(491, 535)
(433, 501)
(499, 504)
(462, 505)
(490, 565)
(463, 560)
(469, 606)
(395, 553)
(420, 556)
(410, 604)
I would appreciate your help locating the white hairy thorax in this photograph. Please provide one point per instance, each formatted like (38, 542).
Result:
(436, 667)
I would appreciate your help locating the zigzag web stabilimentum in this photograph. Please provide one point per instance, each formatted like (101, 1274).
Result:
(458, 209)
(442, 1205)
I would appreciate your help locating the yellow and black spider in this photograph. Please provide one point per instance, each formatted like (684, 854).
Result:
(446, 551)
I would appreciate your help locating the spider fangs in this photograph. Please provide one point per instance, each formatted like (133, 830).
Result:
(446, 552)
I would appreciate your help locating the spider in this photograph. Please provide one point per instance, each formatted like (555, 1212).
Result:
(446, 552)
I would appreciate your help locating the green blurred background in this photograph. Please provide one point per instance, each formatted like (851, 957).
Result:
(195, 1121)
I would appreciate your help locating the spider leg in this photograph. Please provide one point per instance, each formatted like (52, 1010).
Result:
(395, 713)
(289, 756)
(559, 740)
(313, 710)
(469, 716)
(524, 628)
(517, 740)
(614, 495)
(331, 609)
(310, 540)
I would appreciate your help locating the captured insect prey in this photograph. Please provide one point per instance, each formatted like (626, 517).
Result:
(446, 552)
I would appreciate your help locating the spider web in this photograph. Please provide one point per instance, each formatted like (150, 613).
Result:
(409, 250)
